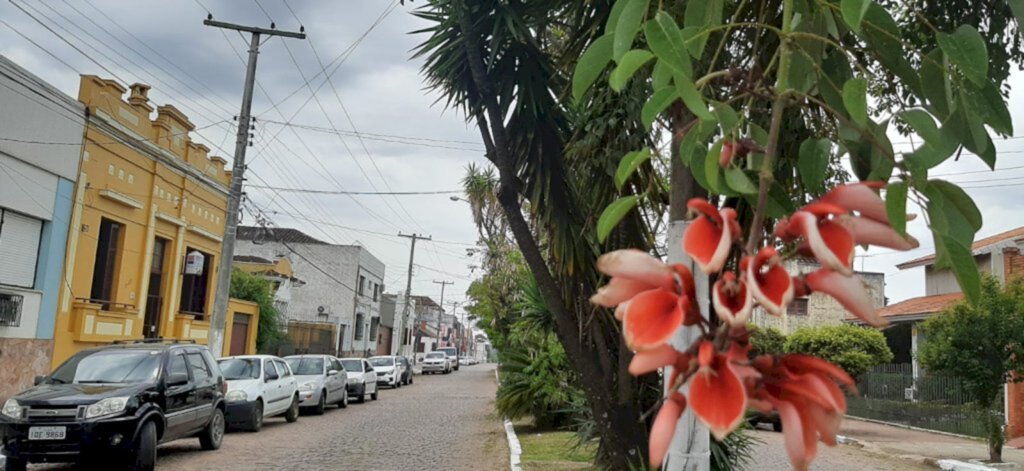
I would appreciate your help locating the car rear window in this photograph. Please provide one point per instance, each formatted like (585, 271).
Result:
(240, 368)
(306, 366)
(352, 365)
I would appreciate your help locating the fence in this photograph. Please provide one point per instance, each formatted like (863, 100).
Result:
(890, 393)
(306, 338)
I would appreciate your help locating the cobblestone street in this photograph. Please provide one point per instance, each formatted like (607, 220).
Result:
(771, 456)
(439, 422)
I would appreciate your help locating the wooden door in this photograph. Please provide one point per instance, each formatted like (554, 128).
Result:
(239, 334)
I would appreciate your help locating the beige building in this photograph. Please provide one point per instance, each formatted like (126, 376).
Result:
(818, 309)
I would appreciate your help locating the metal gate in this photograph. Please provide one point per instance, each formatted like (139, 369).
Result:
(308, 337)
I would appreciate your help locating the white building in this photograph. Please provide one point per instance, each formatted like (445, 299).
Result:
(41, 132)
(342, 294)
(394, 314)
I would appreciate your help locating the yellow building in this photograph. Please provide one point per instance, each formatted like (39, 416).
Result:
(146, 227)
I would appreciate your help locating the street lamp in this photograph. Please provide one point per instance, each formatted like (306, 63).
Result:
(456, 199)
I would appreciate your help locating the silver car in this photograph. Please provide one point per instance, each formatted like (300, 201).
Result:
(322, 381)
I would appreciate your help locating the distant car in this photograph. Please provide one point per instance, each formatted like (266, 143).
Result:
(362, 378)
(389, 370)
(406, 370)
(110, 406)
(453, 356)
(259, 387)
(467, 360)
(756, 417)
(436, 362)
(322, 381)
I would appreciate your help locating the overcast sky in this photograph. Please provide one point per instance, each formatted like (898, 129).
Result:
(409, 142)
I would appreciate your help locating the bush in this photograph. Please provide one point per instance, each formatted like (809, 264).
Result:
(249, 287)
(766, 340)
(854, 349)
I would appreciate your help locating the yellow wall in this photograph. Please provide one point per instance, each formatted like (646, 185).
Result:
(242, 307)
(148, 175)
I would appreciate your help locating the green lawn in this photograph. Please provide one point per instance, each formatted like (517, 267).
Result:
(554, 450)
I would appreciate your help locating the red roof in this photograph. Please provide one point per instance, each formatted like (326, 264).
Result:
(1014, 234)
(923, 305)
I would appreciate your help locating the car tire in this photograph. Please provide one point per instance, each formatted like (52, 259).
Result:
(213, 435)
(144, 458)
(361, 397)
(256, 419)
(320, 406)
(293, 412)
(373, 396)
(15, 465)
(343, 403)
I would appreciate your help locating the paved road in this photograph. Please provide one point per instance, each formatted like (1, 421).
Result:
(439, 422)
(771, 456)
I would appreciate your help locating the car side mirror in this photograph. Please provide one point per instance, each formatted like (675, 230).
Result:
(332, 373)
(177, 379)
(270, 377)
(39, 380)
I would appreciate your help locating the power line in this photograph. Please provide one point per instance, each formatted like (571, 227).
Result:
(333, 192)
(390, 138)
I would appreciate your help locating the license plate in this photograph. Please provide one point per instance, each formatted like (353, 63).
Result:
(47, 433)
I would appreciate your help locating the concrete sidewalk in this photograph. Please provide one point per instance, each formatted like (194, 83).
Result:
(919, 445)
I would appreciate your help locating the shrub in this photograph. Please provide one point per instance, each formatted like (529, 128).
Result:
(249, 287)
(766, 341)
(854, 349)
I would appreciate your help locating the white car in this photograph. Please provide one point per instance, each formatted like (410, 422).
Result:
(259, 387)
(389, 370)
(362, 378)
(322, 381)
(436, 362)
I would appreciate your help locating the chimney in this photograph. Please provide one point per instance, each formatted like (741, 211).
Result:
(140, 96)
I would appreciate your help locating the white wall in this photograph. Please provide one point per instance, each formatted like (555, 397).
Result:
(29, 314)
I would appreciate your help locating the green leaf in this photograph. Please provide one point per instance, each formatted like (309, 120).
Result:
(613, 214)
(853, 12)
(699, 16)
(737, 180)
(695, 41)
(989, 104)
(937, 145)
(883, 36)
(661, 76)
(1017, 6)
(959, 200)
(628, 65)
(962, 262)
(937, 85)
(855, 98)
(966, 49)
(613, 17)
(694, 144)
(727, 117)
(591, 64)
(692, 98)
(628, 165)
(627, 26)
(667, 42)
(896, 206)
(813, 163)
(712, 171)
(658, 102)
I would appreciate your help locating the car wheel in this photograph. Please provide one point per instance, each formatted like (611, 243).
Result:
(344, 400)
(212, 436)
(256, 419)
(319, 410)
(777, 426)
(293, 412)
(145, 449)
(373, 396)
(15, 465)
(361, 397)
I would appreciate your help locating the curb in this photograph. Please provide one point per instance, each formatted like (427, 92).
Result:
(515, 449)
(943, 464)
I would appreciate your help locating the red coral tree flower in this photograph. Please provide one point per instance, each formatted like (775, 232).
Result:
(710, 235)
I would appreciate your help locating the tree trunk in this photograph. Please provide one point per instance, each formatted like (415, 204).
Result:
(995, 435)
(611, 392)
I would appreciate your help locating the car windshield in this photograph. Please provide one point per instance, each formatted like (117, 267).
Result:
(306, 366)
(352, 365)
(240, 368)
(382, 361)
(448, 351)
(109, 366)
(435, 355)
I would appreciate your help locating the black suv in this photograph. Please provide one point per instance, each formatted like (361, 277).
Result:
(116, 402)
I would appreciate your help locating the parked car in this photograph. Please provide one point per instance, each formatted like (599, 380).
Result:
(453, 356)
(406, 370)
(467, 360)
(389, 370)
(362, 379)
(259, 387)
(757, 417)
(116, 403)
(322, 381)
(436, 362)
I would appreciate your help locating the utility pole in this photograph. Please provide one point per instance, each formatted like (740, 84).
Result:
(440, 315)
(458, 336)
(408, 290)
(227, 253)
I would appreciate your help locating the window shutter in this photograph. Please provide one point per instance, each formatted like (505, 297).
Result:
(19, 249)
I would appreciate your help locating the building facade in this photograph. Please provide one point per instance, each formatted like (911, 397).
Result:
(146, 223)
(338, 310)
(41, 133)
(395, 315)
(818, 309)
